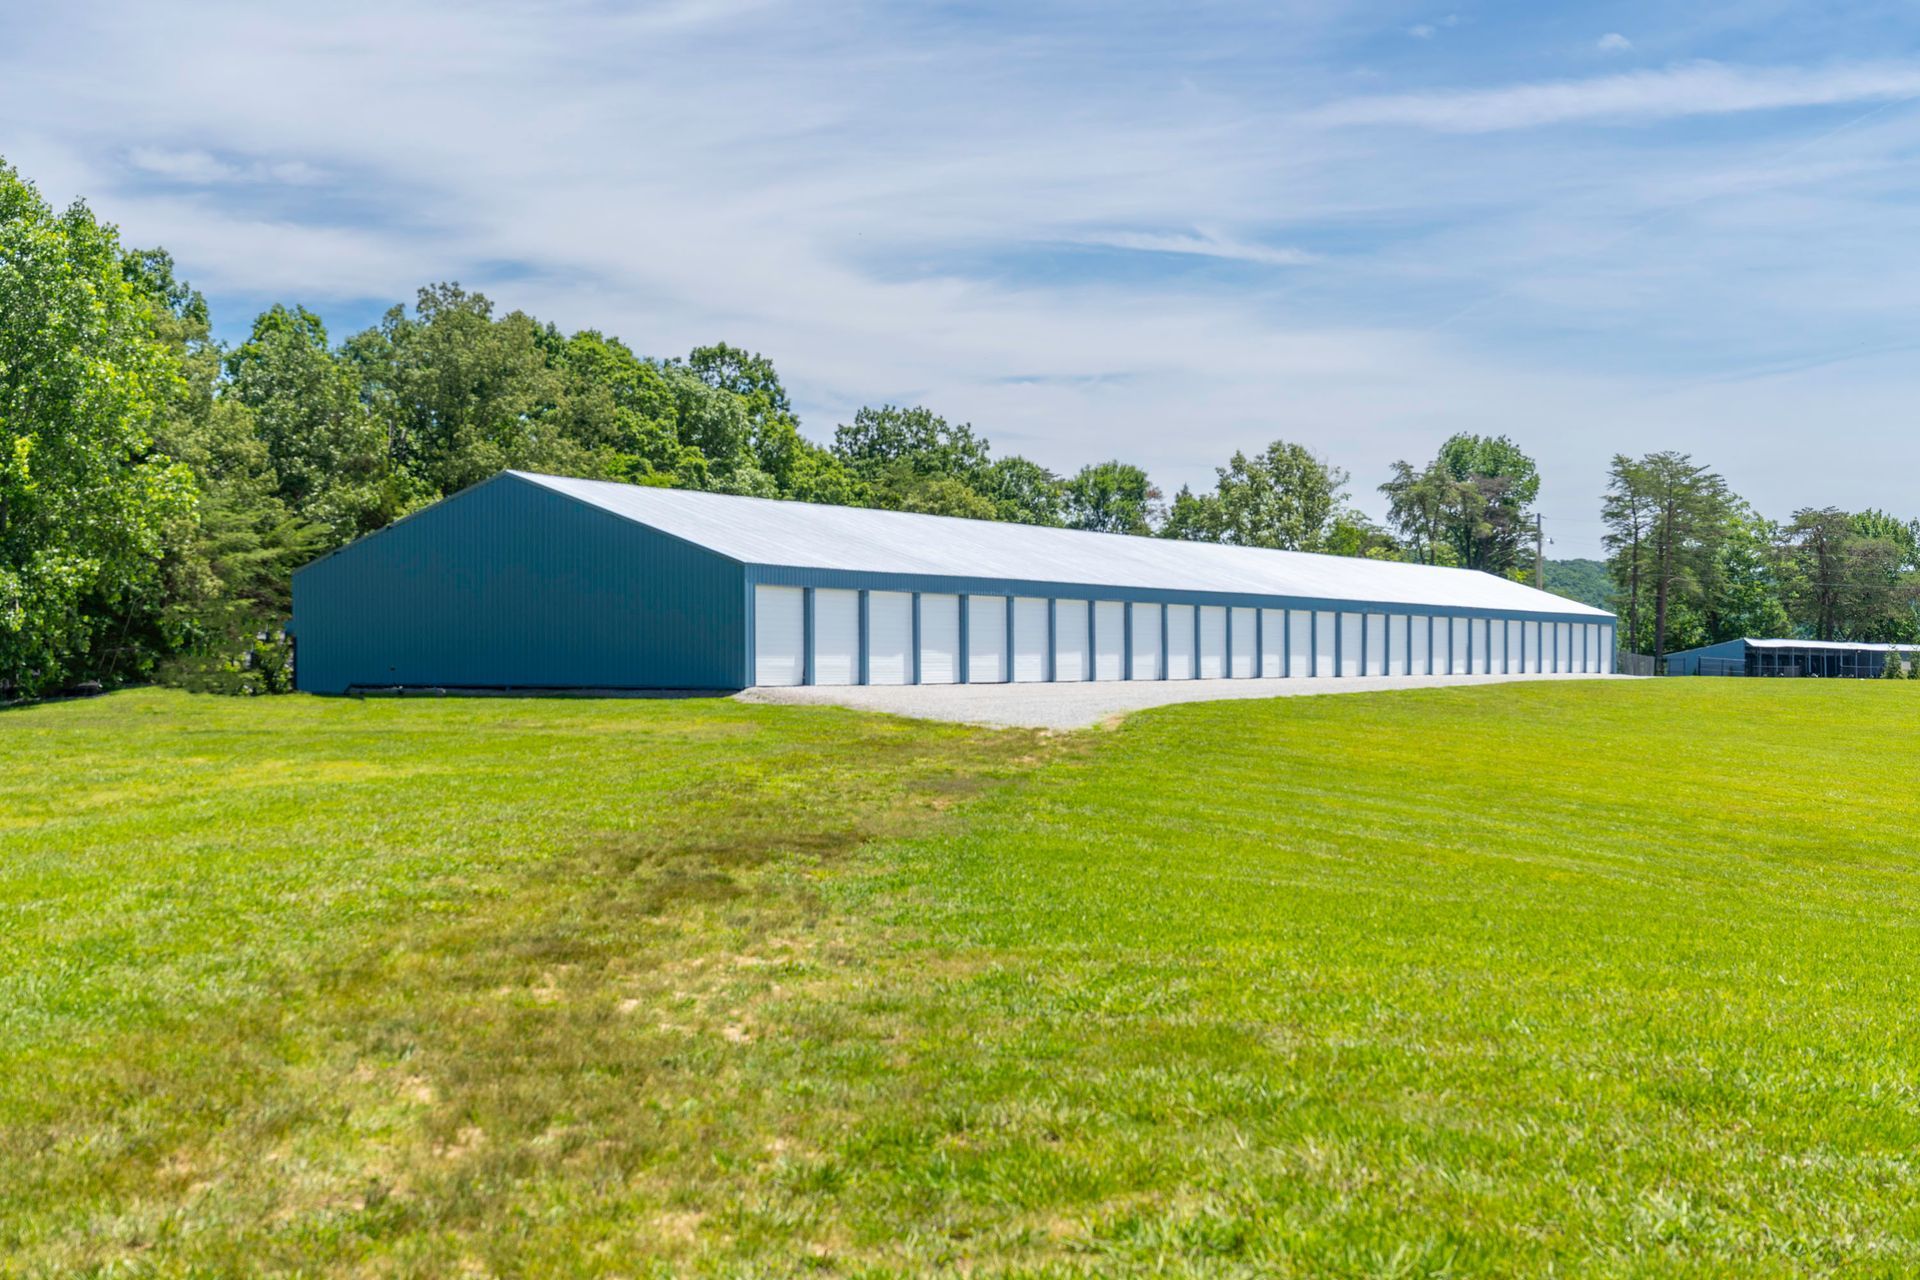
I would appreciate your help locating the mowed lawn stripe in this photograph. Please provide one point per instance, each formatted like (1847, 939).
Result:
(1579, 967)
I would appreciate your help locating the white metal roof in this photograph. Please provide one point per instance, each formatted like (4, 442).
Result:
(762, 531)
(1827, 644)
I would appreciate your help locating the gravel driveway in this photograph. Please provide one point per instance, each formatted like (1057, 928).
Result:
(1075, 706)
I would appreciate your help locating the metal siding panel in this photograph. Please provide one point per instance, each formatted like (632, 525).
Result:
(986, 639)
(889, 637)
(836, 637)
(511, 585)
(1351, 644)
(1180, 642)
(778, 634)
(1147, 626)
(1029, 639)
(1241, 631)
(1376, 663)
(1213, 642)
(939, 639)
(1070, 640)
(1110, 639)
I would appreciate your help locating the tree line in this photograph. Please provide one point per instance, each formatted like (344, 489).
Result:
(158, 488)
(1693, 564)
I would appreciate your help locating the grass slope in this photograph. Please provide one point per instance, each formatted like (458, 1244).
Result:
(1547, 978)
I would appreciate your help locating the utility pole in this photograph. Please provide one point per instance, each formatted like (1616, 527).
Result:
(1539, 554)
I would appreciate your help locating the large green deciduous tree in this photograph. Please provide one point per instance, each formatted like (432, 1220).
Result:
(331, 455)
(1747, 599)
(211, 619)
(1023, 492)
(883, 441)
(1282, 497)
(85, 502)
(468, 395)
(1467, 507)
(1843, 578)
(1111, 497)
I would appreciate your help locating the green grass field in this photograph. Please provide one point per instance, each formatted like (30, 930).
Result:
(1559, 978)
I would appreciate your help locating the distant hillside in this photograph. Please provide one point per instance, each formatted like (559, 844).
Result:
(1584, 580)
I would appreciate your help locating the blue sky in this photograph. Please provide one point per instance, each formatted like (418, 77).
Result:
(1158, 233)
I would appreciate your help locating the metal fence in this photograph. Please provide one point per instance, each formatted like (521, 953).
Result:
(1633, 664)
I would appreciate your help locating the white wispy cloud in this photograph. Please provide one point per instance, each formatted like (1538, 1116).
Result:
(857, 190)
(1694, 90)
(202, 168)
(1613, 42)
(1204, 244)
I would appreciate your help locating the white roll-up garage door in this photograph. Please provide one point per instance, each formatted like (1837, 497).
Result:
(889, 637)
(1516, 645)
(1419, 641)
(1146, 641)
(836, 636)
(1376, 663)
(1324, 639)
(1213, 642)
(1352, 644)
(1299, 643)
(1442, 655)
(1070, 640)
(986, 639)
(1564, 647)
(1477, 648)
(939, 639)
(1457, 647)
(1530, 647)
(1606, 650)
(1497, 646)
(1029, 639)
(1273, 643)
(779, 634)
(1595, 662)
(1399, 645)
(1179, 642)
(1109, 640)
(1240, 643)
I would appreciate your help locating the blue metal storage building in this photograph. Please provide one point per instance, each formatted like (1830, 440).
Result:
(1833, 659)
(539, 582)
